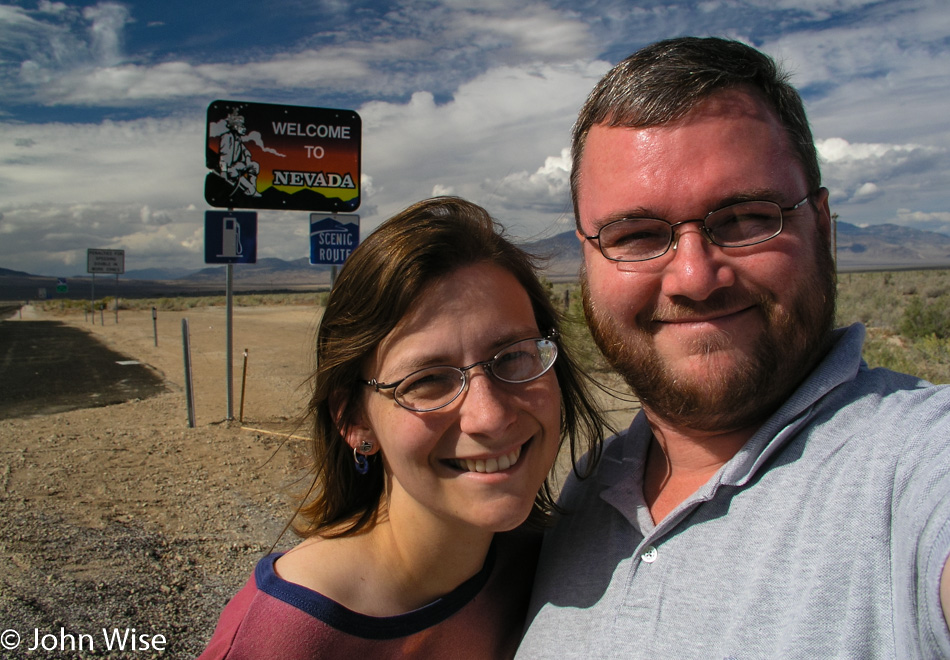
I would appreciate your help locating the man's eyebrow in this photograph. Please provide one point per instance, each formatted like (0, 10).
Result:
(755, 195)
(636, 212)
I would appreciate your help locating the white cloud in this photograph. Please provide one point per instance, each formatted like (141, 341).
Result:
(534, 30)
(155, 218)
(47, 7)
(838, 150)
(152, 161)
(106, 21)
(547, 188)
(138, 184)
(862, 172)
(88, 65)
(466, 97)
(53, 239)
(58, 234)
(482, 144)
(939, 221)
(867, 192)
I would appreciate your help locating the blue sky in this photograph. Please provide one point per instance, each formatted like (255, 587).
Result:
(103, 106)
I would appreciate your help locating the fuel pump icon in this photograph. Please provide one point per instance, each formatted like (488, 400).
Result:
(230, 238)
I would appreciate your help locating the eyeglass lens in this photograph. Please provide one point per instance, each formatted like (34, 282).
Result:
(739, 225)
(435, 387)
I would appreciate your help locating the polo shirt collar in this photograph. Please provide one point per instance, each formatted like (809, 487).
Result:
(622, 463)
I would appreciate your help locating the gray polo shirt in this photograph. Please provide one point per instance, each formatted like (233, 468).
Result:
(824, 537)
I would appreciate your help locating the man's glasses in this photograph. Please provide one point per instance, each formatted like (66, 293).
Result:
(737, 225)
(436, 387)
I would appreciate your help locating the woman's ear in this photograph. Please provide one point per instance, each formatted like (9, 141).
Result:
(355, 430)
(361, 437)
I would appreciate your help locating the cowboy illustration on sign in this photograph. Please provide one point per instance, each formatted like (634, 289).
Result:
(236, 165)
(280, 157)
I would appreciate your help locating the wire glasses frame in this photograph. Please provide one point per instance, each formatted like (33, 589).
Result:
(736, 225)
(435, 387)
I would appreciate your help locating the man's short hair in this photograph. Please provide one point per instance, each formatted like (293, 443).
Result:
(664, 81)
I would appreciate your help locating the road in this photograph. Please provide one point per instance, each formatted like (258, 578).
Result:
(47, 367)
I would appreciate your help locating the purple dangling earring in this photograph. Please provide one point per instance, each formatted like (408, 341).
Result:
(360, 458)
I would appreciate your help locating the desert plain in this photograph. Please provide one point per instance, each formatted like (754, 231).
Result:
(124, 517)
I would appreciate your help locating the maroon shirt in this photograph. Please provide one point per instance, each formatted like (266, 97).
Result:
(481, 618)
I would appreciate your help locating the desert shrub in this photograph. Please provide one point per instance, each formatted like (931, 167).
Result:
(923, 319)
(907, 314)
(883, 351)
(926, 357)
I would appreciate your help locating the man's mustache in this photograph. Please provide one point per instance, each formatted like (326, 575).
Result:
(725, 301)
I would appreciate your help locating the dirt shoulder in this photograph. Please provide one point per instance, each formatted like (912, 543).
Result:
(123, 516)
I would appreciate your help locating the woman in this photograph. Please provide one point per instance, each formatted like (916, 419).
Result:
(440, 397)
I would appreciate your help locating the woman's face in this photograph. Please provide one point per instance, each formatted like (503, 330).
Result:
(450, 463)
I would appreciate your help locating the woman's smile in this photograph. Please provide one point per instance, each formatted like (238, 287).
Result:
(486, 465)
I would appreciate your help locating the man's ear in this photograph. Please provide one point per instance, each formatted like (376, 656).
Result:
(355, 430)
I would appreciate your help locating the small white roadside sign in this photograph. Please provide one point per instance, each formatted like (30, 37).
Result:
(105, 261)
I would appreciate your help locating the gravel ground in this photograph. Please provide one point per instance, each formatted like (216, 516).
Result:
(123, 517)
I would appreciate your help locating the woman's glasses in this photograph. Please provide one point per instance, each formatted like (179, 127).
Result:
(436, 387)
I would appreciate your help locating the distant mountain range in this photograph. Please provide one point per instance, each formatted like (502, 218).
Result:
(880, 247)
(877, 247)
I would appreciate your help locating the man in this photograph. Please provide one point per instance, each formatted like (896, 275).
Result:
(774, 498)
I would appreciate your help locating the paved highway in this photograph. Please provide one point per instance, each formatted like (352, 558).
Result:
(47, 367)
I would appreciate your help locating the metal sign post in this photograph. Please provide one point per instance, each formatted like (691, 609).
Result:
(230, 238)
(189, 387)
(229, 352)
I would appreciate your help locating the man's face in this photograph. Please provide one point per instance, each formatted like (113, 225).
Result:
(709, 338)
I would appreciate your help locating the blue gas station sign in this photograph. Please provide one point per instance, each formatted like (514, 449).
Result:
(230, 237)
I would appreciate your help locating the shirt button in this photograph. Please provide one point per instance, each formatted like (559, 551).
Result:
(649, 554)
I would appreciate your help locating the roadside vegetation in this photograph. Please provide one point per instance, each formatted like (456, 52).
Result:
(316, 298)
(907, 314)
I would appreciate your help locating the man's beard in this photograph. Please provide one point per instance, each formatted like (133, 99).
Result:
(740, 395)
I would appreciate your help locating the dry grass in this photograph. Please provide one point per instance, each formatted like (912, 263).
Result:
(897, 338)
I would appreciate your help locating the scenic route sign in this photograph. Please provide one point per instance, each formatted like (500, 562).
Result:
(333, 237)
(105, 261)
(282, 157)
(230, 237)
